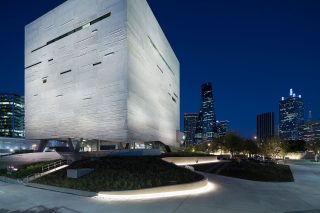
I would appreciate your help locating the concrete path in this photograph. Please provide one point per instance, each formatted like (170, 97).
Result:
(230, 195)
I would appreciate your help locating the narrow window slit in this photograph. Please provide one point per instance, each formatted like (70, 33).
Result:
(65, 72)
(95, 64)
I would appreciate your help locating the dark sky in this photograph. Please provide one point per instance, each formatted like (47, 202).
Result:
(252, 51)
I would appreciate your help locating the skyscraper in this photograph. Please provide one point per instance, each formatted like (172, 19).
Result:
(265, 126)
(101, 70)
(222, 128)
(190, 124)
(291, 116)
(206, 126)
(11, 115)
(310, 131)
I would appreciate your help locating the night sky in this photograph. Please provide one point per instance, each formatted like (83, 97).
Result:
(252, 51)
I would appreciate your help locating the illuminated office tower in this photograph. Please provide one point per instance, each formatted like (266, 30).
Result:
(190, 124)
(291, 116)
(222, 128)
(11, 115)
(206, 126)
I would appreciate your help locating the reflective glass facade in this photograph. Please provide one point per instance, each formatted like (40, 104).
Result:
(291, 116)
(222, 128)
(265, 126)
(190, 123)
(310, 131)
(11, 115)
(206, 125)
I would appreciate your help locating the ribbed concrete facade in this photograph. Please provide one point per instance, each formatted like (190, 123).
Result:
(101, 69)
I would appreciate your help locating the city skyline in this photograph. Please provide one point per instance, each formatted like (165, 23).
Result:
(252, 68)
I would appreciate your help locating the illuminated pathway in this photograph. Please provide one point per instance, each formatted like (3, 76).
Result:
(229, 195)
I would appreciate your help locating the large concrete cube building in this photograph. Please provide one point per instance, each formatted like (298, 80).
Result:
(101, 70)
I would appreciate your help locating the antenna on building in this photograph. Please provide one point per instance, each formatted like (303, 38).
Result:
(291, 92)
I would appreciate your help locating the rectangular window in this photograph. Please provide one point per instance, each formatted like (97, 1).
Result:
(161, 56)
(174, 99)
(95, 64)
(65, 72)
(50, 60)
(74, 31)
(111, 53)
(33, 65)
(160, 69)
(87, 99)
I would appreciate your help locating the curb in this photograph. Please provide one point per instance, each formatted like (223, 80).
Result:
(10, 180)
(62, 190)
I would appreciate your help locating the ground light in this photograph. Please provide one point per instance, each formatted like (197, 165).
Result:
(202, 190)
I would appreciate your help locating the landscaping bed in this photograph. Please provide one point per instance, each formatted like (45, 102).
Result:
(121, 173)
(26, 170)
(268, 172)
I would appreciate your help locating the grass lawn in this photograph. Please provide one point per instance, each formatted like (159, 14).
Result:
(122, 173)
(267, 172)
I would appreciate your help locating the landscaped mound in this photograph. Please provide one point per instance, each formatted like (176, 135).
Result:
(117, 174)
(268, 172)
(26, 170)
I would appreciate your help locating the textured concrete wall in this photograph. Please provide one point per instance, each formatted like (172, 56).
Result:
(153, 79)
(90, 101)
(108, 81)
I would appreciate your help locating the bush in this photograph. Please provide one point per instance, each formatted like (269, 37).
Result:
(122, 173)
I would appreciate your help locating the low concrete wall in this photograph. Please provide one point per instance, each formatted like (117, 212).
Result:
(76, 173)
(10, 180)
(62, 190)
(161, 189)
(181, 161)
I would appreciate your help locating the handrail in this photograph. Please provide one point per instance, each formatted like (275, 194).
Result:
(46, 168)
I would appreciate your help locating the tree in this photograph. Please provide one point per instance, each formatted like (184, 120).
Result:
(274, 147)
(233, 143)
(314, 146)
(250, 147)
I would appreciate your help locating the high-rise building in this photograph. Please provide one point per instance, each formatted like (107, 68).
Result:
(101, 70)
(265, 126)
(291, 116)
(310, 131)
(11, 115)
(206, 126)
(190, 124)
(222, 128)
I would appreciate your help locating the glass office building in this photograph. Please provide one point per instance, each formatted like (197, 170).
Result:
(222, 128)
(310, 131)
(206, 129)
(291, 116)
(190, 124)
(11, 115)
(265, 126)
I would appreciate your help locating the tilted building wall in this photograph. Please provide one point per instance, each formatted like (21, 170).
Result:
(99, 69)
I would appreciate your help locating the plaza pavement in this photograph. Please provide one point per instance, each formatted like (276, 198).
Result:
(229, 195)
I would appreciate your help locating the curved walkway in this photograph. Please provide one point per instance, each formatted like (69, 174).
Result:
(230, 195)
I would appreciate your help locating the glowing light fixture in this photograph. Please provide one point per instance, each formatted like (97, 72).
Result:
(205, 189)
